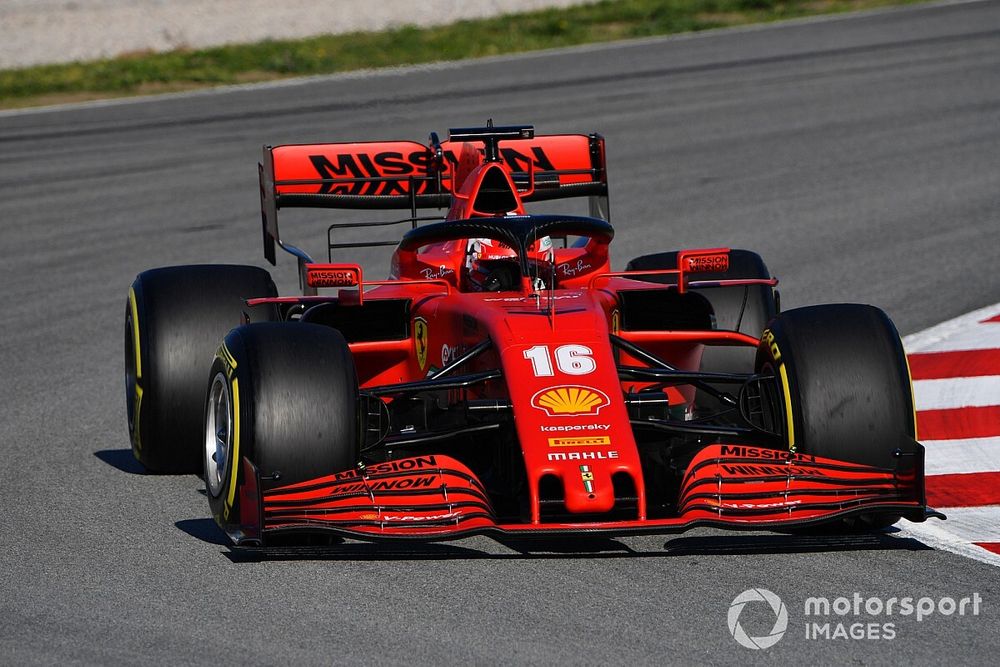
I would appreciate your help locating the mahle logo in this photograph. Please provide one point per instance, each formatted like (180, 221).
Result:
(777, 608)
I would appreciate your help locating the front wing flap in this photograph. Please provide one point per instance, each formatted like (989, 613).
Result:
(435, 497)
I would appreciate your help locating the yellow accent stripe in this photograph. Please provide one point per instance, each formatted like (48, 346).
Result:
(788, 406)
(137, 413)
(135, 331)
(235, 454)
(913, 403)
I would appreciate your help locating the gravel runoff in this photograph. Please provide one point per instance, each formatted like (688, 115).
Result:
(35, 32)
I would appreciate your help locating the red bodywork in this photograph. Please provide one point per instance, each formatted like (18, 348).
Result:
(559, 372)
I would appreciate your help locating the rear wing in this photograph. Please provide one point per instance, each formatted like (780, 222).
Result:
(382, 175)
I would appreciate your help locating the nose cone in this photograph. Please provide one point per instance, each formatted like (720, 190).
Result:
(588, 488)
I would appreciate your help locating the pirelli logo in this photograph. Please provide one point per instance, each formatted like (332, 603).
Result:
(580, 441)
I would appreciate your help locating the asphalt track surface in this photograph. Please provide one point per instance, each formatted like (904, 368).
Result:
(858, 155)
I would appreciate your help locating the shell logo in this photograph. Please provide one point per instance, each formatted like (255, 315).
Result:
(570, 400)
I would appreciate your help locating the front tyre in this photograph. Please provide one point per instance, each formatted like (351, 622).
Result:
(845, 384)
(284, 396)
(175, 319)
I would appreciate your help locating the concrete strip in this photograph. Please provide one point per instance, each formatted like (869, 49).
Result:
(34, 32)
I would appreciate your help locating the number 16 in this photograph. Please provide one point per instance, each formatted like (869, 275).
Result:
(570, 359)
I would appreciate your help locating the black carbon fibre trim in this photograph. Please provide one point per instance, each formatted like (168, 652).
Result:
(740, 511)
(305, 502)
(797, 492)
(293, 509)
(440, 507)
(400, 524)
(610, 531)
(798, 478)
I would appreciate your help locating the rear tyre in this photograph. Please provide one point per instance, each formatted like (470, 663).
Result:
(745, 309)
(844, 370)
(285, 396)
(175, 319)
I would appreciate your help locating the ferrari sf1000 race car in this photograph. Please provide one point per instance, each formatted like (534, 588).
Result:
(504, 380)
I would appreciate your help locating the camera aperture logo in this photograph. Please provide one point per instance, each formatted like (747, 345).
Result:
(777, 608)
(857, 617)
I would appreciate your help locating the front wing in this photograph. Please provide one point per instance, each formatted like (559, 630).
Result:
(435, 497)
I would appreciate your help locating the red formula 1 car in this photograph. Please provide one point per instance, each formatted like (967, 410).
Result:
(504, 380)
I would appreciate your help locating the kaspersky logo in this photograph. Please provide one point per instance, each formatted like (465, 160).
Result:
(570, 400)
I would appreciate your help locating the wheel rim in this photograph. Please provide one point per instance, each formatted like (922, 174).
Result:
(218, 434)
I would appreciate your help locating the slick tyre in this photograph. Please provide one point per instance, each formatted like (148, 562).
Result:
(745, 309)
(284, 396)
(175, 319)
(843, 373)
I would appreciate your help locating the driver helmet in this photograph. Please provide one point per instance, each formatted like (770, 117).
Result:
(492, 266)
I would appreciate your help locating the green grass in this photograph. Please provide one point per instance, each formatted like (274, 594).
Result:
(602, 21)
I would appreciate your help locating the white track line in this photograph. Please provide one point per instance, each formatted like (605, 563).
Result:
(976, 337)
(974, 524)
(948, 457)
(957, 392)
(935, 534)
(962, 333)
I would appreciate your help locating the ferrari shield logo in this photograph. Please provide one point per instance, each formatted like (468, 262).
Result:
(420, 340)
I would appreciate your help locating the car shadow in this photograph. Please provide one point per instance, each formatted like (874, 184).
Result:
(570, 547)
(122, 460)
(205, 530)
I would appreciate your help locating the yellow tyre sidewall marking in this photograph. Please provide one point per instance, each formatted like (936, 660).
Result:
(135, 332)
(234, 456)
(767, 337)
(788, 407)
(136, 410)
